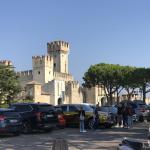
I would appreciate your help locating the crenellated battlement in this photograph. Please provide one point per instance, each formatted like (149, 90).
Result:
(6, 62)
(41, 58)
(57, 45)
(25, 73)
(74, 83)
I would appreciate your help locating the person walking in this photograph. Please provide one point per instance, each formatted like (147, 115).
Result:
(130, 114)
(82, 118)
(125, 115)
(119, 115)
(96, 117)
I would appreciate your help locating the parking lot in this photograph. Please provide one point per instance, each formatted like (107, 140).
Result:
(101, 139)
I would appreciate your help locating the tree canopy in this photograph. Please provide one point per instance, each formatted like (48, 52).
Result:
(114, 78)
(9, 84)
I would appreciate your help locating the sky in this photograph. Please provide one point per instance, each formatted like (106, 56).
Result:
(98, 31)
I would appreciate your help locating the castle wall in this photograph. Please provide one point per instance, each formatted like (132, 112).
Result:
(43, 99)
(42, 69)
(63, 76)
(35, 91)
(25, 77)
(94, 95)
(90, 95)
(73, 93)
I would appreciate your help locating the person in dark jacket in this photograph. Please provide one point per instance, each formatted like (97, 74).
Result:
(82, 118)
(130, 114)
(96, 117)
(119, 115)
(125, 115)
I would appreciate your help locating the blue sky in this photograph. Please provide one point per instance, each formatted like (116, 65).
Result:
(110, 31)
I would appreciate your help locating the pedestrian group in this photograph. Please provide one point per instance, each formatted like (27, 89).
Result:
(124, 117)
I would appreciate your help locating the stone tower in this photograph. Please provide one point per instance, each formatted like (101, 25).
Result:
(59, 51)
(42, 69)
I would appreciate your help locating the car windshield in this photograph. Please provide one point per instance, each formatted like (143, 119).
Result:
(86, 107)
(111, 109)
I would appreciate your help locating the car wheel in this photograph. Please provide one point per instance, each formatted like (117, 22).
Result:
(91, 123)
(16, 133)
(26, 127)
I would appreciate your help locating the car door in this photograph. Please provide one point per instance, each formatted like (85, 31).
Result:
(74, 115)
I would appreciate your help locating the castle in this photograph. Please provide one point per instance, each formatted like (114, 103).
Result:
(49, 81)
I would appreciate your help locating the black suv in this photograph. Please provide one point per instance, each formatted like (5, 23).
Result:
(36, 116)
(10, 121)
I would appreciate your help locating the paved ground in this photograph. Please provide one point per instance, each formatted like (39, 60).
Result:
(103, 139)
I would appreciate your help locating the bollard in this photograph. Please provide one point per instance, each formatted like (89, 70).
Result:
(60, 144)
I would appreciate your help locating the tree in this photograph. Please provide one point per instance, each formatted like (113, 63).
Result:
(129, 82)
(143, 77)
(105, 75)
(9, 84)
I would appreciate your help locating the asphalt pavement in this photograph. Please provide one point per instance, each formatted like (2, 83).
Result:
(101, 139)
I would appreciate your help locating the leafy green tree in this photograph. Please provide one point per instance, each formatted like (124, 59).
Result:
(105, 75)
(143, 77)
(9, 84)
(129, 82)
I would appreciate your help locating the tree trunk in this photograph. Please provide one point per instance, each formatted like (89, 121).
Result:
(8, 100)
(144, 92)
(111, 99)
(118, 98)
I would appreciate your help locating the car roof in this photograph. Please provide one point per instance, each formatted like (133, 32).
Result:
(67, 104)
(31, 103)
(72, 104)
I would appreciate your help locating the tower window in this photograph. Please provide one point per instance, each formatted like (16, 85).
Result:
(38, 72)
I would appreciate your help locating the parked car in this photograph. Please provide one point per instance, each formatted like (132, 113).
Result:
(36, 116)
(147, 113)
(72, 119)
(10, 121)
(111, 112)
(140, 108)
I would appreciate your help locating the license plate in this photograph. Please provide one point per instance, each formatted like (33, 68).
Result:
(13, 121)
